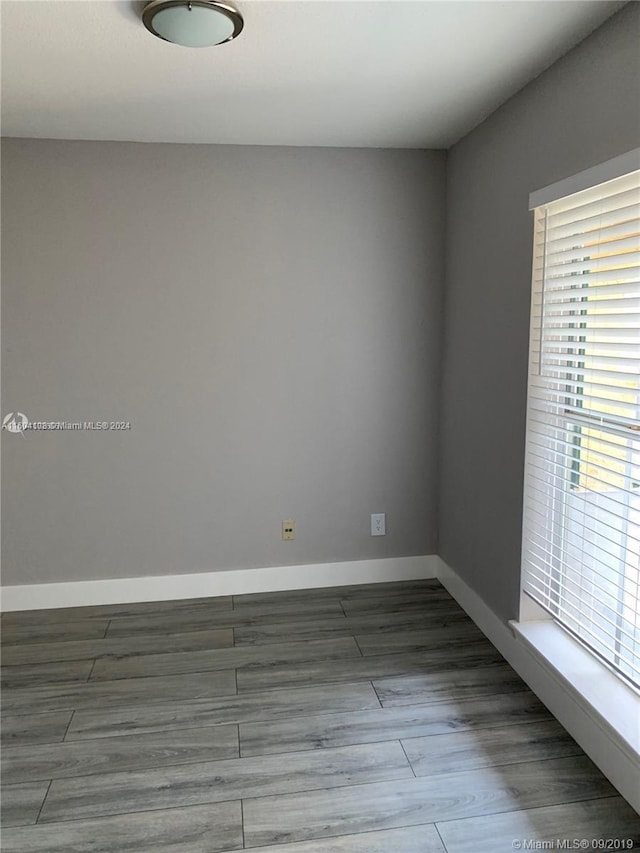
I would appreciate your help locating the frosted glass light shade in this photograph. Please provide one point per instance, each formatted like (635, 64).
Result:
(199, 23)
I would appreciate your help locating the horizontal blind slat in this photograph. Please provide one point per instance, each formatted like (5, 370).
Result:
(553, 295)
(605, 249)
(627, 215)
(567, 453)
(566, 450)
(538, 521)
(591, 307)
(629, 657)
(560, 347)
(611, 634)
(575, 396)
(579, 266)
(596, 516)
(594, 279)
(584, 285)
(577, 596)
(603, 235)
(597, 569)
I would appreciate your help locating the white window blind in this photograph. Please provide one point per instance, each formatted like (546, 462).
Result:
(581, 531)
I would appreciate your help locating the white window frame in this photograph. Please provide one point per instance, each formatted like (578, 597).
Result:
(591, 178)
(600, 710)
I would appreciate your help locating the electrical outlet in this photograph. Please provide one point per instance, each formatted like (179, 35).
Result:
(378, 524)
(288, 530)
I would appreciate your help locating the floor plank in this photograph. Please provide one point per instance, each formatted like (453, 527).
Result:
(286, 609)
(20, 804)
(43, 632)
(367, 668)
(118, 647)
(210, 660)
(131, 752)
(199, 829)
(130, 626)
(445, 686)
(420, 601)
(608, 818)
(382, 622)
(24, 729)
(265, 705)
(412, 839)
(494, 747)
(384, 805)
(126, 691)
(27, 675)
(216, 781)
(425, 640)
(293, 734)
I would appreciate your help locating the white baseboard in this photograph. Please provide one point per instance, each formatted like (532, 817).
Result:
(226, 582)
(612, 741)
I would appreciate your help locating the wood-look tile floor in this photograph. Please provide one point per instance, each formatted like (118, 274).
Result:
(365, 719)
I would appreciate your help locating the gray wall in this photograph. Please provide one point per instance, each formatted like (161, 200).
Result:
(582, 111)
(269, 322)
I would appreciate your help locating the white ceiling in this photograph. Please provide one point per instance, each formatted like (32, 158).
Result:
(380, 73)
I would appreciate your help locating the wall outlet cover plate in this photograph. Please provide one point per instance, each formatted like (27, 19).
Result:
(378, 524)
(288, 530)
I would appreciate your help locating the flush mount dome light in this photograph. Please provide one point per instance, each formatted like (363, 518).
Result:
(192, 23)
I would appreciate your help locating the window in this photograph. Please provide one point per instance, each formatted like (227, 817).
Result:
(581, 530)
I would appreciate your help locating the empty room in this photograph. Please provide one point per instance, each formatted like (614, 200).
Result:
(320, 426)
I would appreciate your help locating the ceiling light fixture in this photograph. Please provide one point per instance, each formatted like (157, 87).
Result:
(192, 23)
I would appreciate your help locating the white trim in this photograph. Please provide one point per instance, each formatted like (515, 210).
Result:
(226, 582)
(600, 174)
(597, 709)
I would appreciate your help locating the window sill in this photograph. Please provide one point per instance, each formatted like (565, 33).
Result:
(613, 706)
